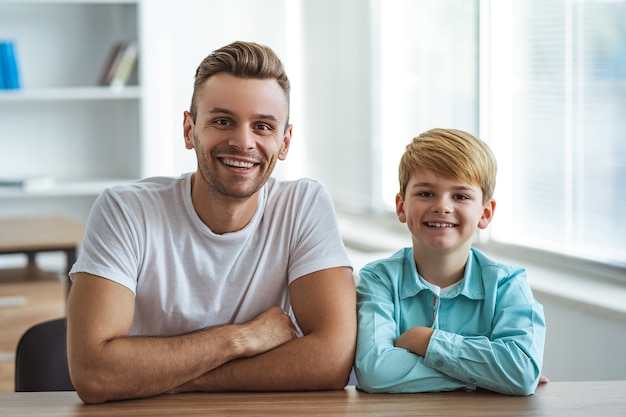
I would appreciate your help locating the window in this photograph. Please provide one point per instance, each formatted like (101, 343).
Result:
(554, 114)
(429, 75)
(542, 81)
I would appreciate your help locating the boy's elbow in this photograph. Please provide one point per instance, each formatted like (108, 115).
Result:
(523, 385)
(373, 379)
(522, 389)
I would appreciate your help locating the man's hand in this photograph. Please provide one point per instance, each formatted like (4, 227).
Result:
(270, 329)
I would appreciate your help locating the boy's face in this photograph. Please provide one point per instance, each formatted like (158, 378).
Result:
(442, 214)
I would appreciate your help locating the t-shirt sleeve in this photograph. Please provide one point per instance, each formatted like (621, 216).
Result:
(317, 239)
(111, 245)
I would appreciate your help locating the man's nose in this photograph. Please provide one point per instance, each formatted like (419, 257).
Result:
(242, 139)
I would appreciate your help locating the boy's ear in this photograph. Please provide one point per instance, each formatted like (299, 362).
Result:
(487, 216)
(400, 208)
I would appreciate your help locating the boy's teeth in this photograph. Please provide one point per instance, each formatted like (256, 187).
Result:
(440, 224)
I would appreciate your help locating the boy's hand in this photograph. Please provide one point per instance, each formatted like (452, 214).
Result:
(415, 340)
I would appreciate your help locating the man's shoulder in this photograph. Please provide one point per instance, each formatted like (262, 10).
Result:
(299, 183)
(301, 188)
(152, 193)
(147, 185)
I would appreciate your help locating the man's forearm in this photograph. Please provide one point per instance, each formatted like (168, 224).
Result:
(134, 367)
(307, 363)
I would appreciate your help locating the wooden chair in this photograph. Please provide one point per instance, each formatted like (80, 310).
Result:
(41, 358)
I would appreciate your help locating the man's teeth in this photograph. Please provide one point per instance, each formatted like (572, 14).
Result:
(238, 164)
(440, 225)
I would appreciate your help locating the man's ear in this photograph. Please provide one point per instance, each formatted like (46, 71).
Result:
(188, 126)
(282, 154)
(487, 216)
(400, 208)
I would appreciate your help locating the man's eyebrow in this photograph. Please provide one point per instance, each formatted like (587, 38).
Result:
(216, 110)
(220, 110)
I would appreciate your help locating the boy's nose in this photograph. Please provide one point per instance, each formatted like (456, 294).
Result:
(443, 206)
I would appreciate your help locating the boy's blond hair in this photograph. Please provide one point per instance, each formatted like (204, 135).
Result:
(453, 154)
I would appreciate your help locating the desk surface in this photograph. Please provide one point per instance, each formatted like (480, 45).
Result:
(594, 399)
(39, 233)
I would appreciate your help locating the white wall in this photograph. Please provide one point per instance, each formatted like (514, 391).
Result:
(327, 56)
(176, 36)
(582, 343)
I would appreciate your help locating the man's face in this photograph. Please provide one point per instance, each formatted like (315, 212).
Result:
(239, 133)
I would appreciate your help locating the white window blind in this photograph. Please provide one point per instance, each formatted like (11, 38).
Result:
(555, 115)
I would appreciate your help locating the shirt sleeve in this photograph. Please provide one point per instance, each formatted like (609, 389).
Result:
(316, 242)
(509, 361)
(111, 245)
(379, 365)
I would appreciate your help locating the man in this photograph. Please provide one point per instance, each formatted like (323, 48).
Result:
(222, 279)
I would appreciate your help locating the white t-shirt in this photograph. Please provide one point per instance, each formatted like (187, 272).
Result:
(147, 237)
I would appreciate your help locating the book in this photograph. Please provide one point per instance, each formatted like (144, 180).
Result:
(126, 65)
(9, 66)
(120, 64)
(113, 60)
(32, 183)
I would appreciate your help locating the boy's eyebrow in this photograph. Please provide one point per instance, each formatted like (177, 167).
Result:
(461, 187)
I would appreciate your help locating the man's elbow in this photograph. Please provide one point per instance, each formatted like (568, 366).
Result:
(338, 372)
(88, 392)
(87, 385)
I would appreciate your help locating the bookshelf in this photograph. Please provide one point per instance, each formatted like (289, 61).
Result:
(61, 123)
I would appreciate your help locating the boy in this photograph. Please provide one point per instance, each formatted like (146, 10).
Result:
(440, 315)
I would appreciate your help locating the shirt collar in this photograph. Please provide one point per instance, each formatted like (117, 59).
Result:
(471, 283)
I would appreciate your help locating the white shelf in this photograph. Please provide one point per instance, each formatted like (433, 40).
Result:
(64, 189)
(71, 93)
(62, 124)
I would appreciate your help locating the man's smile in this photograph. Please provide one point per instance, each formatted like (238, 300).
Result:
(237, 164)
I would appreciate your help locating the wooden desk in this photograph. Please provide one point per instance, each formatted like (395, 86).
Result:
(571, 399)
(30, 235)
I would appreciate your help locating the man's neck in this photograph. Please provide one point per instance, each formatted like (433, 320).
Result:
(222, 215)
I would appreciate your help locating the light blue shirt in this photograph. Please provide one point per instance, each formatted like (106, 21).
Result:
(489, 331)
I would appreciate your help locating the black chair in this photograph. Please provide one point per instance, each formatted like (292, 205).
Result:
(41, 358)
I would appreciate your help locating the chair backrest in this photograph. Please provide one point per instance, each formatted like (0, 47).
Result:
(41, 358)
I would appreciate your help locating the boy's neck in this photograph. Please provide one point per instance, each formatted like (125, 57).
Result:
(441, 268)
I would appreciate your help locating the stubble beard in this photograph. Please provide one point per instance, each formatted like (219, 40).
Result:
(218, 188)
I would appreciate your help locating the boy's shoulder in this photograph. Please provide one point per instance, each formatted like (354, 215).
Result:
(492, 268)
(396, 259)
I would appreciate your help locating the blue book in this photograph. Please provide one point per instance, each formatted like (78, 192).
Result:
(3, 71)
(10, 71)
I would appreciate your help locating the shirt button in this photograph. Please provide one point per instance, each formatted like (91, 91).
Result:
(439, 364)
